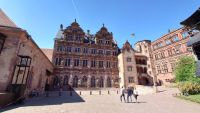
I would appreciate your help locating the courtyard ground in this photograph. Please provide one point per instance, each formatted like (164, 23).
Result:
(162, 102)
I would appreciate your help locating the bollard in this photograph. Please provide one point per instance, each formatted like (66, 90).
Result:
(80, 92)
(117, 92)
(108, 92)
(100, 92)
(90, 92)
(70, 93)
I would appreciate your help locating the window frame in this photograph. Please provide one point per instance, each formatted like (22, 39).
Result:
(3, 38)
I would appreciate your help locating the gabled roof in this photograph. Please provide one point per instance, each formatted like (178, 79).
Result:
(5, 20)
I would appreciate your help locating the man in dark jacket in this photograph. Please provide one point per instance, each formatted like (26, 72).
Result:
(129, 94)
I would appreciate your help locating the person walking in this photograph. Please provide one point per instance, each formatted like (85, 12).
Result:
(135, 94)
(122, 90)
(129, 94)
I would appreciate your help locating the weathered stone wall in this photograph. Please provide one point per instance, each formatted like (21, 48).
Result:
(8, 57)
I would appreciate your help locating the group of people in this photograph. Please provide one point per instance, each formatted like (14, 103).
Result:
(129, 92)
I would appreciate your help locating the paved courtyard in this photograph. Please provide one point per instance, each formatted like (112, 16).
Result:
(162, 102)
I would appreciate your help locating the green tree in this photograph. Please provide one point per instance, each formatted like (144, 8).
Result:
(185, 69)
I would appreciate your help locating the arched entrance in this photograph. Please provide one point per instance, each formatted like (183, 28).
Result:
(75, 82)
(143, 81)
(66, 80)
(93, 83)
(55, 81)
(84, 81)
(109, 82)
(101, 82)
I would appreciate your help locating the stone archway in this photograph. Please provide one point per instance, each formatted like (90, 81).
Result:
(75, 82)
(66, 80)
(109, 84)
(143, 81)
(84, 81)
(101, 82)
(93, 82)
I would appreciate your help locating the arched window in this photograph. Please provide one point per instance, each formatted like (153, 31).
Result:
(93, 83)
(108, 82)
(2, 41)
(66, 80)
(75, 81)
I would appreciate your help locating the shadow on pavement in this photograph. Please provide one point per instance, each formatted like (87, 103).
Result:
(53, 99)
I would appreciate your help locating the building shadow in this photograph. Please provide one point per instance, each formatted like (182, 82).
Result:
(52, 99)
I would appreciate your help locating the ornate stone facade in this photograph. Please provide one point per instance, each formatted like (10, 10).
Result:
(83, 60)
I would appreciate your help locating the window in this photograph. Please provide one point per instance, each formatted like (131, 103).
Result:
(100, 64)
(130, 79)
(185, 34)
(100, 52)
(107, 42)
(85, 50)
(169, 52)
(158, 69)
(2, 40)
(108, 64)
(76, 62)
(177, 49)
(175, 38)
(165, 68)
(67, 62)
(58, 61)
(167, 41)
(93, 63)
(69, 49)
(78, 38)
(59, 48)
(100, 41)
(108, 53)
(129, 68)
(159, 44)
(85, 63)
(115, 64)
(173, 66)
(128, 59)
(114, 53)
(162, 55)
(77, 50)
(70, 38)
(93, 51)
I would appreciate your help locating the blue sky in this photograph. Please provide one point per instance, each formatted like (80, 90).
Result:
(148, 19)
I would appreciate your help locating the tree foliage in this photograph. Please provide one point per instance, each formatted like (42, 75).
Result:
(185, 69)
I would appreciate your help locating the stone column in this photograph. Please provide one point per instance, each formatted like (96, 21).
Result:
(88, 81)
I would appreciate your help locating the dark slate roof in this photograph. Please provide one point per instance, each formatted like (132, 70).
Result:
(193, 20)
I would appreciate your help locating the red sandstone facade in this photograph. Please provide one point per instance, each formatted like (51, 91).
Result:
(83, 60)
(166, 51)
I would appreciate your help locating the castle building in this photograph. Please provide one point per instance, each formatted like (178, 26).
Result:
(84, 60)
(166, 51)
(133, 67)
(23, 65)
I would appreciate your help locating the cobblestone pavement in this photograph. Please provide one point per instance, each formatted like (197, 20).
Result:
(161, 102)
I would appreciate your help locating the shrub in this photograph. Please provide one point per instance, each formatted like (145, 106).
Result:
(189, 87)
